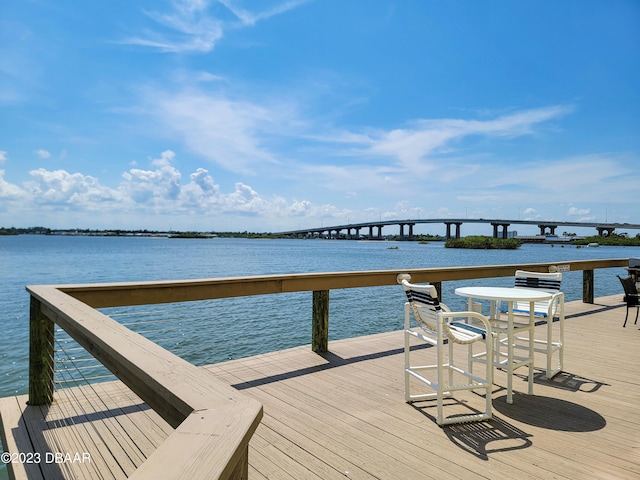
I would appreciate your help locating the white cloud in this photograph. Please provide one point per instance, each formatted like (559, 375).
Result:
(3, 156)
(412, 145)
(241, 135)
(245, 200)
(189, 27)
(230, 133)
(152, 187)
(572, 179)
(389, 162)
(300, 208)
(250, 18)
(165, 159)
(578, 212)
(151, 193)
(163, 194)
(7, 190)
(63, 188)
(43, 153)
(204, 181)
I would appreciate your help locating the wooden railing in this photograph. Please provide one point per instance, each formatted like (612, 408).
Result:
(213, 421)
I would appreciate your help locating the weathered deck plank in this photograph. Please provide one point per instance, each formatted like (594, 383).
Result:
(107, 423)
(343, 414)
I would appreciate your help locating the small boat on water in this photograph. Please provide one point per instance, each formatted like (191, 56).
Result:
(593, 244)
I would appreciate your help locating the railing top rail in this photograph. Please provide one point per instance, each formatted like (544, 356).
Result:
(103, 295)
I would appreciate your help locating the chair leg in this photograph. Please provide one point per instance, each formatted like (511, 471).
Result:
(637, 311)
(561, 339)
(549, 346)
(625, 317)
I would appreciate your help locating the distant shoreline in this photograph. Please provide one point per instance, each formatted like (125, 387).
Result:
(613, 239)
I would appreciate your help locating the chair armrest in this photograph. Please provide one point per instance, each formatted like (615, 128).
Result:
(557, 301)
(469, 314)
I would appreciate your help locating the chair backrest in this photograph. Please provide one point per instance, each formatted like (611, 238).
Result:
(630, 292)
(424, 303)
(547, 282)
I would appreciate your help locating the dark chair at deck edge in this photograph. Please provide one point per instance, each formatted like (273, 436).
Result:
(631, 297)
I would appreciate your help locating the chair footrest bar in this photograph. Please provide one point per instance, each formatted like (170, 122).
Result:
(478, 382)
(537, 340)
(465, 418)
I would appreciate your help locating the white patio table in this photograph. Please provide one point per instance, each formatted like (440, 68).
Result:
(509, 295)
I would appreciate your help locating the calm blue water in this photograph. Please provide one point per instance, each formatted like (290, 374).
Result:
(208, 332)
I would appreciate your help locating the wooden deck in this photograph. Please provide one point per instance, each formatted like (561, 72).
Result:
(343, 415)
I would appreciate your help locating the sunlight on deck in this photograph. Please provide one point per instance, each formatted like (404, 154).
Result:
(342, 414)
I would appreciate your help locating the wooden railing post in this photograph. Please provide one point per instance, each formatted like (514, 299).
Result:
(320, 321)
(241, 472)
(587, 286)
(41, 333)
(438, 286)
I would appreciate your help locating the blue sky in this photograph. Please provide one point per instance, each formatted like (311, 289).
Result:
(275, 115)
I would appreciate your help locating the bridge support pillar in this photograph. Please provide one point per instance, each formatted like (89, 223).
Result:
(505, 229)
(402, 236)
(457, 224)
(543, 229)
(604, 231)
(375, 237)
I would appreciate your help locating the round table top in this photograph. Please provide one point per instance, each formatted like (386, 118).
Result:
(504, 293)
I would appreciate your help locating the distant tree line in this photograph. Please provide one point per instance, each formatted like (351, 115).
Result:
(120, 232)
(480, 242)
(25, 231)
(621, 240)
(418, 238)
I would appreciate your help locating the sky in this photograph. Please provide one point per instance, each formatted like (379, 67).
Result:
(264, 116)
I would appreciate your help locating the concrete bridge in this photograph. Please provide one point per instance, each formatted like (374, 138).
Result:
(352, 231)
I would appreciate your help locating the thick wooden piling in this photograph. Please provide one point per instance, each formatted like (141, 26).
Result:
(587, 286)
(320, 321)
(41, 333)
